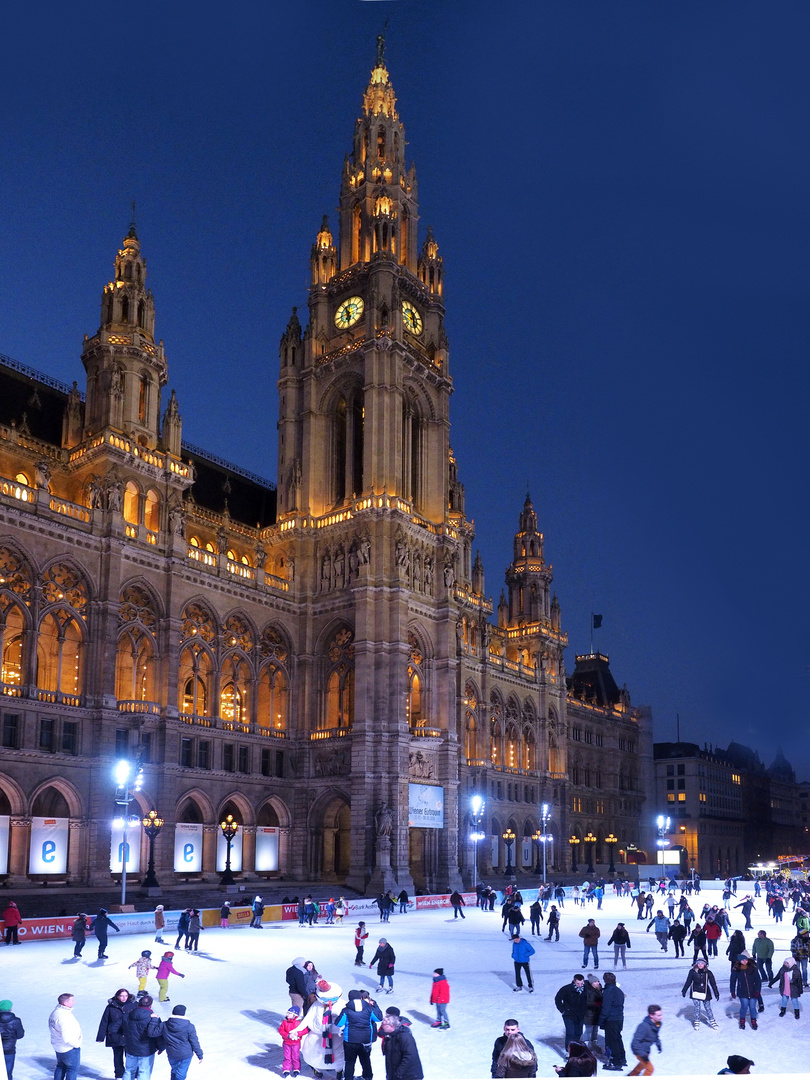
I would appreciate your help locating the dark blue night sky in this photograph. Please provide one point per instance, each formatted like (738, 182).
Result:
(620, 193)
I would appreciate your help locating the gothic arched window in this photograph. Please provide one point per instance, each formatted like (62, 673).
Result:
(416, 715)
(339, 705)
(59, 654)
(348, 446)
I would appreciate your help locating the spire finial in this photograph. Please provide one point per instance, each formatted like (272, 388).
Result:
(381, 46)
(132, 231)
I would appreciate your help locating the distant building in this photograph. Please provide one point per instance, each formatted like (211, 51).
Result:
(728, 811)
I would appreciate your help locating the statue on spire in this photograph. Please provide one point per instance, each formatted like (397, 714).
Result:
(381, 45)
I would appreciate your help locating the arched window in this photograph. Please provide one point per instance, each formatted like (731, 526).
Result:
(339, 703)
(128, 272)
(151, 510)
(470, 723)
(59, 654)
(144, 388)
(357, 218)
(194, 681)
(415, 712)
(124, 309)
(132, 503)
(135, 667)
(50, 803)
(529, 752)
(274, 694)
(12, 630)
(348, 427)
(412, 452)
(404, 234)
(512, 747)
(141, 312)
(235, 693)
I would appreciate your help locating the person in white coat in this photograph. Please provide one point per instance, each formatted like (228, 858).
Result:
(66, 1038)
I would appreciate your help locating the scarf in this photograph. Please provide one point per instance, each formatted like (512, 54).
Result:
(328, 1055)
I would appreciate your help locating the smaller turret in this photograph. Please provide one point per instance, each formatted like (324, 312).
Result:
(323, 260)
(291, 350)
(430, 265)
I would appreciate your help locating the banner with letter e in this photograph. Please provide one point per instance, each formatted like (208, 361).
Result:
(188, 844)
(49, 846)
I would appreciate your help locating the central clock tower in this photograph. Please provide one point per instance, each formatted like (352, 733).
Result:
(373, 513)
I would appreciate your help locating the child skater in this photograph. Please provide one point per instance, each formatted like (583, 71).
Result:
(440, 996)
(143, 965)
(291, 1042)
(166, 969)
(360, 936)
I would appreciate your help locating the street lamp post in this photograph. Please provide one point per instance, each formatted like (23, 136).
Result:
(544, 816)
(477, 804)
(574, 842)
(611, 842)
(509, 839)
(124, 794)
(229, 830)
(590, 839)
(152, 824)
(664, 824)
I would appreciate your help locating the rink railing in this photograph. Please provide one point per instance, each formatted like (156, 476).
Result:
(143, 922)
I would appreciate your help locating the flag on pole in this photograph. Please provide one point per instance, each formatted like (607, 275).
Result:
(597, 621)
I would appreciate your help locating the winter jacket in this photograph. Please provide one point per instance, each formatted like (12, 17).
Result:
(800, 946)
(385, 959)
(593, 1004)
(180, 1039)
(590, 934)
(497, 1050)
(79, 931)
(360, 936)
(12, 916)
(64, 1030)
(165, 969)
(645, 1037)
(111, 1025)
(440, 990)
(701, 980)
(762, 949)
(182, 923)
(515, 917)
(794, 980)
(225, 911)
(571, 1002)
(160, 921)
(295, 977)
(612, 1005)
(286, 1026)
(456, 899)
(102, 925)
(713, 930)
(745, 981)
(661, 924)
(143, 965)
(401, 1056)
(676, 932)
(358, 1019)
(11, 1029)
(736, 946)
(522, 951)
(142, 1032)
(620, 937)
(698, 935)
(194, 924)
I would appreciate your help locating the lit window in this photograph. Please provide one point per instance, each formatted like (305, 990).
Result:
(671, 796)
(681, 796)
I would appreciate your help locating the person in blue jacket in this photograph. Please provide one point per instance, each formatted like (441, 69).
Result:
(522, 951)
(358, 1024)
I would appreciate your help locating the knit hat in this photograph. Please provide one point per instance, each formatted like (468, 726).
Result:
(5, 1005)
(179, 1010)
(737, 1063)
(292, 1009)
(439, 971)
(168, 955)
(323, 986)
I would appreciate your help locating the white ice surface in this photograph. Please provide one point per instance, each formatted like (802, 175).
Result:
(236, 993)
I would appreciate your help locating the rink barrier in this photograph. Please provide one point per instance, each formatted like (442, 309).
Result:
(143, 922)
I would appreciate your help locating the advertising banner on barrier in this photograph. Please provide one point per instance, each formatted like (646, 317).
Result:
(222, 852)
(266, 848)
(49, 846)
(4, 827)
(188, 843)
(133, 847)
(443, 900)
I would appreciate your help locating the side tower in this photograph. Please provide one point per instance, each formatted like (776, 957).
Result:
(368, 496)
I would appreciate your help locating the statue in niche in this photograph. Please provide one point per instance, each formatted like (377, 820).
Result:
(176, 519)
(291, 569)
(354, 561)
(449, 576)
(428, 575)
(365, 551)
(42, 473)
(340, 563)
(96, 493)
(385, 821)
(401, 553)
(114, 496)
(326, 571)
(261, 556)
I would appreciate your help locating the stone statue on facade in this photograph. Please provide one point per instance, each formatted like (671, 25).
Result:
(385, 821)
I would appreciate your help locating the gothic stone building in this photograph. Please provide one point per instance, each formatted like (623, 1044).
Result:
(315, 658)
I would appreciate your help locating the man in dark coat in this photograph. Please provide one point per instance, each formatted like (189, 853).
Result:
(296, 982)
(611, 1020)
(457, 903)
(385, 959)
(101, 926)
(142, 1039)
(357, 1022)
(11, 1030)
(111, 1027)
(400, 1052)
(79, 933)
(571, 1002)
(511, 1031)
(180, 1042)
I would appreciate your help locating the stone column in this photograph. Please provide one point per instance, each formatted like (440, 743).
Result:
(18, 841)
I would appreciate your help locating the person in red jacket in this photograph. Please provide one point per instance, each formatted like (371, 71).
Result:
(360, 936)
(713, 932)
(12, 918)
(440, 996)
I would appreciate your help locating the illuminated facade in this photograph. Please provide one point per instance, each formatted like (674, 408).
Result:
(317, 657)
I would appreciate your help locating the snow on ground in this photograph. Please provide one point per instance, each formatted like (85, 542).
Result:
(236, 993)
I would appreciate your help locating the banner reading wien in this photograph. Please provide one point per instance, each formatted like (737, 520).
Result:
(425, 806)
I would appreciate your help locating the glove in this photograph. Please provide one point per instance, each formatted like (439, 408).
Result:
(182, 976)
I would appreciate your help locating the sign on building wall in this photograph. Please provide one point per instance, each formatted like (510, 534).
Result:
(133, 847)
(425, 806)
(49, 846)
(236, 851)
(4, 827)
(266, 848)
(493, 852)
(526, 851)
(188, 843)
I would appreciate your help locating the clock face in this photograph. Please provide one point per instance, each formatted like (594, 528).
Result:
(349, 312)
(411, 318)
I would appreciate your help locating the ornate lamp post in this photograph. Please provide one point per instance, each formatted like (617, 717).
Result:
(508, 838)
(664, 825)
(537, 837)
(477, 805)
(611, 842)
(152, 824)
(590, 839)
(124, 794)
(229, 830)
(574, 842)
(544, 816)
